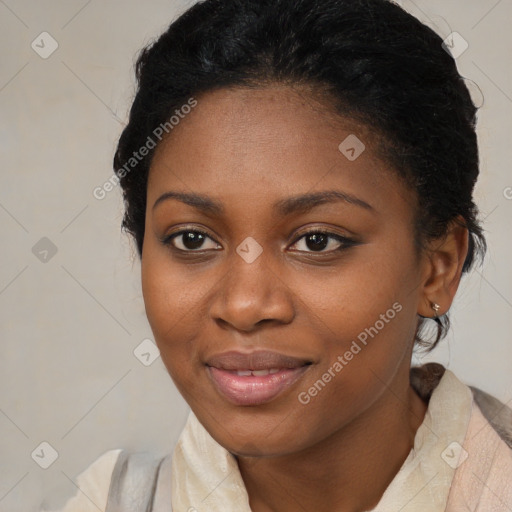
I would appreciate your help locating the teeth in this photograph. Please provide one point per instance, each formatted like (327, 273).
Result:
(257, 373)
(260, 373)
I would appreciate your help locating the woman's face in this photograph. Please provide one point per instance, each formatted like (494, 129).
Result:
(285, 306)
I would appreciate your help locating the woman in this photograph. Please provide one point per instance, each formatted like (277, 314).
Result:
(298, 179)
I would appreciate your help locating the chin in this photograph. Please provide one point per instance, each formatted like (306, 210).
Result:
(255, 432)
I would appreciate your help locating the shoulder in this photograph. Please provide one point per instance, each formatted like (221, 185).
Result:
(483, 476)
(498, 414)
(425, 379)
(92, 486)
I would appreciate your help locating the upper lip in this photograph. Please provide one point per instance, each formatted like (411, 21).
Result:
(256, 360)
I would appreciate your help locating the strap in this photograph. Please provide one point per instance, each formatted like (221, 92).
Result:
(133, 482)
(162, 500)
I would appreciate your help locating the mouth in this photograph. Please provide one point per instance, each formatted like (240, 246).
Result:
(255, 378)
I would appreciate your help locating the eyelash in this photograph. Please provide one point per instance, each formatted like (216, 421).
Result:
(344, 241)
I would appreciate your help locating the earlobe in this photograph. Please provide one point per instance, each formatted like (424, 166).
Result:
(446, 258)
(434, 313)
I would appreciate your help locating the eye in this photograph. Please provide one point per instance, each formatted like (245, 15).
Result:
(318, 241)
(190, 240)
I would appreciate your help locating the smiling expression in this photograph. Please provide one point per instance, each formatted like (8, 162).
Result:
(260, 172)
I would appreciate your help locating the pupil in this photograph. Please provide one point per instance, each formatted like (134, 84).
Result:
(318, 241)
(192, 240)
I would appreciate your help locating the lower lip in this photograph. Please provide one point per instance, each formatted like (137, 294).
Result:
(254, 390)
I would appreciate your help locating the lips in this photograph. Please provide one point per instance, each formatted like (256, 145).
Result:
(254, 378)
(257, 360)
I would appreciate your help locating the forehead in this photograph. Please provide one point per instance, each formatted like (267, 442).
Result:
(245, 145)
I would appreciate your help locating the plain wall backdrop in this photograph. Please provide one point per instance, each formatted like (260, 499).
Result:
(71, 306)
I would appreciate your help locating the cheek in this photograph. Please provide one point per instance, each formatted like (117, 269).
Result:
(365, 320)
(360, 293)
(358, 368)
(172, 318)
(173, 308)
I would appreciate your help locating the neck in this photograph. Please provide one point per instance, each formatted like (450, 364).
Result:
(348, 471)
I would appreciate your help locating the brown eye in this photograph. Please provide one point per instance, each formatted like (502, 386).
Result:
(191, 240)
(318, 241)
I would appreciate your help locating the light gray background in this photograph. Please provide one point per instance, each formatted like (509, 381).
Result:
(68, 375)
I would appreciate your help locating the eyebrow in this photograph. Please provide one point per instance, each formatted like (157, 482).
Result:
(296, 204)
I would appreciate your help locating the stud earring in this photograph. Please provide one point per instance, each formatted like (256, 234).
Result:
(436, 307)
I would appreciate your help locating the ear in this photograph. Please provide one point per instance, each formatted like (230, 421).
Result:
(445, 259)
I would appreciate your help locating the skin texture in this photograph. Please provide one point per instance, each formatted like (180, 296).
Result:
(247, 149)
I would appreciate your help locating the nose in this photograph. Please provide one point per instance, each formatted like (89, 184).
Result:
(251, 294)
